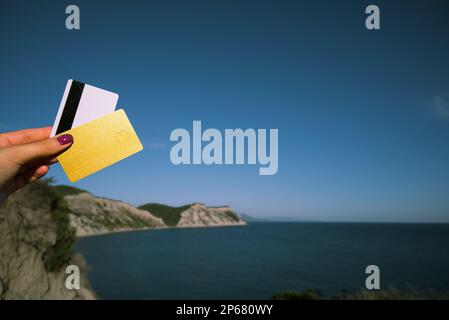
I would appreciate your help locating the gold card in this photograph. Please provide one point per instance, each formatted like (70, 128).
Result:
(99, 144)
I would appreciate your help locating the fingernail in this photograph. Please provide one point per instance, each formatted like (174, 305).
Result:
(65, 139)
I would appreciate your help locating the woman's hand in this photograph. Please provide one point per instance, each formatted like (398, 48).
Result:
(25, 156)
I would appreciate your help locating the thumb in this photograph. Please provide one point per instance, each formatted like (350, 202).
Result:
(46, 148)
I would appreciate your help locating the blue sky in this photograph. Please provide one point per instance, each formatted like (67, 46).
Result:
(363, 116)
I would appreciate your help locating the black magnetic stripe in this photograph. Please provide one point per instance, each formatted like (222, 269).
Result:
(71, 106)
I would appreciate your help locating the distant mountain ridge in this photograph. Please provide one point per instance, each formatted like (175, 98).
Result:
(91, 215)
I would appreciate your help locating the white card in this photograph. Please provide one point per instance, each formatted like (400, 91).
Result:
(82, 103)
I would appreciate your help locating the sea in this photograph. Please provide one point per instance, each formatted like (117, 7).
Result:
(261, 259)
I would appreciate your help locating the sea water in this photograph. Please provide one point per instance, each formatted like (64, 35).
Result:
(261, 259)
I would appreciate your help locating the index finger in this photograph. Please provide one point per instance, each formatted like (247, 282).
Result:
(13, 138)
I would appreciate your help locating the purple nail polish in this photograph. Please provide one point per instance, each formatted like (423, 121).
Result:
(65, 139)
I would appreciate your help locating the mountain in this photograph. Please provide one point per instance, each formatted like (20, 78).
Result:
(170, 215)
(91, 215)
(194, 215)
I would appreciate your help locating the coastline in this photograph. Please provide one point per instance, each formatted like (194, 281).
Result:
(160, 228)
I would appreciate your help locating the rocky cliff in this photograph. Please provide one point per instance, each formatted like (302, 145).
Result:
(90, 215)
(194, 215)
(36, 245)
(198, 215)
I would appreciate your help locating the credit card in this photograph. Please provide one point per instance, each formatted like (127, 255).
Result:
(80, 104)
(99, 144)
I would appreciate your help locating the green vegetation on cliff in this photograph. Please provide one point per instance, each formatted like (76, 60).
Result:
(170, 215)
(63, 190)
(309, 294)
(61, 252)
(233, 216)
(383, 294)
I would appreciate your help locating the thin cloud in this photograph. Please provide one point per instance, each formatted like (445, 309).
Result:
(440, 107)
(154, 145)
